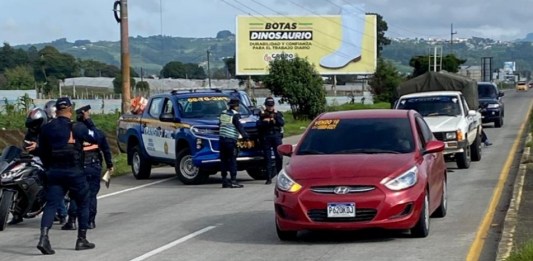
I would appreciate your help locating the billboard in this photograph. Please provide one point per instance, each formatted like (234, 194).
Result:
(509, 67)
(335, 44)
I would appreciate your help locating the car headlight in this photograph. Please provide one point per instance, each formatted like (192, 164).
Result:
(203, 131)
(405, 180)
(493, 106)
(285, 183)
(451, 136)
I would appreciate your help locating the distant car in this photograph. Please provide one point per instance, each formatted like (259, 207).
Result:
(491, 103)
(362, 169)
(521, 86)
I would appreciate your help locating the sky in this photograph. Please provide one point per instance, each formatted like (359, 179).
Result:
(39, 21)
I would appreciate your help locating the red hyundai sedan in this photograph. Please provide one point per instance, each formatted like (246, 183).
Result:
(362, 169)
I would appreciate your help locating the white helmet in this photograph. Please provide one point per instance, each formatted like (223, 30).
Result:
(50, 109)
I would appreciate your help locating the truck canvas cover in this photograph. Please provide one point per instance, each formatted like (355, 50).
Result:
(442, 81)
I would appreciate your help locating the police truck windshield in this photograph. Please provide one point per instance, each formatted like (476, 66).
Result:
(206, 107)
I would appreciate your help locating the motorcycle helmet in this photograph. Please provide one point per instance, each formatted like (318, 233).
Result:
(36, 119)
(50, 109)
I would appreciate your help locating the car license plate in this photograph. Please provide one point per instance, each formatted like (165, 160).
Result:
(341, 210)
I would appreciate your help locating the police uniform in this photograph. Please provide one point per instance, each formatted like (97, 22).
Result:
(230, 127)
(271, 124)
(93, 170)
(61, 150)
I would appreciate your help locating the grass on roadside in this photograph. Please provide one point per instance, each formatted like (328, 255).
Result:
(523, 253)
(120, 164)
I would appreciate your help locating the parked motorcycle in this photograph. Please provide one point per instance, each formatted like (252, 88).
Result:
(21, 186)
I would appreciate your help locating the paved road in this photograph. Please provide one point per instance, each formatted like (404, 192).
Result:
(171, 221)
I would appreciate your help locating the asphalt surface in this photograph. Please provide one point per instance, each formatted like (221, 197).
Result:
(171, 221)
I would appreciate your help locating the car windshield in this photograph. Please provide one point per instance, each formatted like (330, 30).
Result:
(432, 105)
(487, 91)
(358, 136)
(206, 107)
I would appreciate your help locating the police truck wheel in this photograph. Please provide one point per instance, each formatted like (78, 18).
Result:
(187, 172)
(5, 206)
(140, 166)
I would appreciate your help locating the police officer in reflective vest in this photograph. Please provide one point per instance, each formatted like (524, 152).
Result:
(61, 147)
(230, 127)
(270, 128)
(93, 170)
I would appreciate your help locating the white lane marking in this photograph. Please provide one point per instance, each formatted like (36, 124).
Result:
(172, 244)
(134, 188)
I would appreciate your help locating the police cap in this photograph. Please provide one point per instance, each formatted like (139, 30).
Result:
(62, 103)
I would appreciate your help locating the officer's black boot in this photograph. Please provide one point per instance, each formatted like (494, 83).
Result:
(70, 225)
(226, 183)
(15, 220)
(44, 243)
(268, 176)
(92, 224)
(82, 243)
(234, 184)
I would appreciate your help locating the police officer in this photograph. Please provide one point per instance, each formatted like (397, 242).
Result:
(93, 171)
(230, 127)
(270, 129)
(61, 148)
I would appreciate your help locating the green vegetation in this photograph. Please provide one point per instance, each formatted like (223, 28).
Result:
(524, 253)
(298, 83)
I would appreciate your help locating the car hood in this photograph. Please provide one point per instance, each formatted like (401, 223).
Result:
(337, 166)
(487, 101)
(443, 123)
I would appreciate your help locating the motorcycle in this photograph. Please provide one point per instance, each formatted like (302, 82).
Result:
(21, 185)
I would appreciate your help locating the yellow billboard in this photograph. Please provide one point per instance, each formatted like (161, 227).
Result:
(335, 44)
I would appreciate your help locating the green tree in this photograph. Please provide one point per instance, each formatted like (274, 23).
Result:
(117, 83)
(179, 70)
(381, 28)
(420, 64)
(11, 57)
(384, 82)
(297, 82)
(143, 88)
(20, 78)
(92, 68)
(53, 63)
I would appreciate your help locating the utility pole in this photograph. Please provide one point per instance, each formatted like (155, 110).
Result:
(208, 68)
(122, 17)
(451, 38)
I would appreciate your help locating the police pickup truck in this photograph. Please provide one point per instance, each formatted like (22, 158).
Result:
(180, 128)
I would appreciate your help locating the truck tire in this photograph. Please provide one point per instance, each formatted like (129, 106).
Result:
(463, 158)
(5, 206)
(475, 149)
(499, 122)
(140, 165)
(186, 171)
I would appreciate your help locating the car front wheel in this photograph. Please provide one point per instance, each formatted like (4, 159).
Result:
(421, 229)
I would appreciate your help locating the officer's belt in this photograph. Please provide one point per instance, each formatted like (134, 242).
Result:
(91, 157)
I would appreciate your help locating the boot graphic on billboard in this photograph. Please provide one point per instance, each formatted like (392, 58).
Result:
(352, 26)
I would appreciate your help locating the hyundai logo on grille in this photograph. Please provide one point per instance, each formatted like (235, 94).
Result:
(341, 190)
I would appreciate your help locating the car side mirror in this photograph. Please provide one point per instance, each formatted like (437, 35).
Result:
(285, 149)
(434, 146)
(255, 111)
(168, 117)
(472, 113)
(500, 94)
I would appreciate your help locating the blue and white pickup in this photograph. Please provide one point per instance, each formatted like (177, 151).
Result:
(180, 128)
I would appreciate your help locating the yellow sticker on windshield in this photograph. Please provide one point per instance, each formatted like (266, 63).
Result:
(325, 124)
(202, 99)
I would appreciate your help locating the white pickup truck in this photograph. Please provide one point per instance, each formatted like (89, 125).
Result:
(449, 104)
(451, 120)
